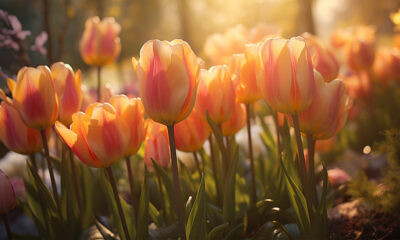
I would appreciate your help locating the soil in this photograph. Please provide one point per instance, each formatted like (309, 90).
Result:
(368, 226)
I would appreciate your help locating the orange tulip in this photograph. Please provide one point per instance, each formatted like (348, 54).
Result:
(168, 77)
(324, 60)
(386, 65)
(15, 135)
(245, 70)
(236, 122)
(157, 145)
(98, 136)
(100, 44)
(358, 85)
(286, 81)
(34, 96)
(216, 94)
(191, 133)
(324, 146)
(132, 111)
(7, 194)
(68, 88)
(328, 111)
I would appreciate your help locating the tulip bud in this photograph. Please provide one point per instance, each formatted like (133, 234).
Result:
(132, 111)
(328, 111)
(7, 194)
(216, 94)
(34, 96)
(287, 80)
(245, 69)
(358, 85)
(386, 65)
(236, 122)
(100, 44)
(359, 50)
(337, 177)
(324, 60)
(68, 88)
(191, 133)
(168, 75)
(157, 145)
(98, 136)
(15, 135)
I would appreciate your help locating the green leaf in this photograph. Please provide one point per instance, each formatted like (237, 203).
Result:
(143, 215)
(167, 182)
(229, 191)
(217, 233)
(322, 207)
(126, 209)
(155, 214)
(196, 223)
(298, 202)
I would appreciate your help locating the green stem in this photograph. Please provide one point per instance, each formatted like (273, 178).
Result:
(33, 161)
(75, 179)
(303, 170)
(162, 198)
(196, 160)
(135, 204)
(99, 83)
(177, 189)
(228, 149)
(224, 158)
(214, 166)
(7, 225)
(250, 144)
(311, 170)
(51, 171)
(118, 201)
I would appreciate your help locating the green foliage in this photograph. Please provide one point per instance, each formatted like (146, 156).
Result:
(386, 195)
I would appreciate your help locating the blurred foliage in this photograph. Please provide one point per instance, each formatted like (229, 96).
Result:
(384, 196)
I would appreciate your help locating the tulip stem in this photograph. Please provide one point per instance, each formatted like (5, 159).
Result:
(214, 166)
(228, 148)
(196, 160)
(311, 171)
(278, 135)
(51, 171)
(177, 188)
(224, 158)
(132, 187)
(162, 198)
(118, 201)
(99, 83)
(303, 170)
(33, 161)
(75, 179)
(7, 225)
(253, 177)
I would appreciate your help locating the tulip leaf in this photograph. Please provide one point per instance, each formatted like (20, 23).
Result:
(126, 209)
(217, 232)
(167, 182)
(322, 207)
(298, 201)
(155, 214)
(196, 223)
(228, 208)
(143, 215)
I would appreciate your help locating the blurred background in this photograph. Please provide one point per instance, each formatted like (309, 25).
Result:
(191, 20)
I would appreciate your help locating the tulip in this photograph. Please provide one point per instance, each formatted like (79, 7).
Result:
(216, 94)
(324, 146)
(337, 177)
(19, 187)
(236, 122)
(7, 194)
(386, 65)
(15, 135)
(261, 31)
(132, 112)
(98, 136)
(90, 96)
(34, 96)
(191, 133)
(287, 81)
(328, 111)
(245, 69)
(68, 88)
(324, 59)
(358, 85)
(157, 145)
(167, 77)
(100, 44)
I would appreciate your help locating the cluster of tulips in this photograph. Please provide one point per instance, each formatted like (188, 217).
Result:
(182, 105)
